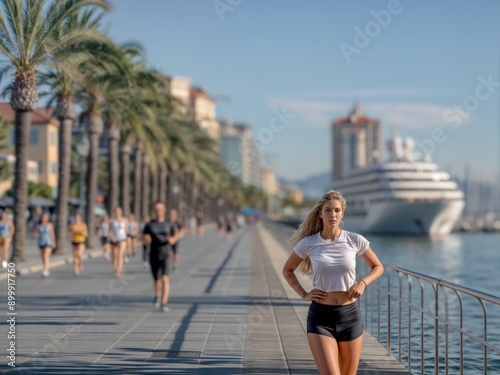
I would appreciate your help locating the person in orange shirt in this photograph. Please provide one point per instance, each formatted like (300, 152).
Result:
(78, 232)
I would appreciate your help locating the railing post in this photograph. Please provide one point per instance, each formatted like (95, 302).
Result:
(388, 314)
(409, 321)
(436, 329)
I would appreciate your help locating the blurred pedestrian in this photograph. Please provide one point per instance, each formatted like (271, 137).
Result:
(104, 230)
(177, 227)
(78, 232)
(158, 234)
(118, 237)
(6, 232)
(44, 232)
(199, 225)
(132, 232)
(145, 246)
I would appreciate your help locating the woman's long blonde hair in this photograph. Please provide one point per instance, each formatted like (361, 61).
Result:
(313, 224)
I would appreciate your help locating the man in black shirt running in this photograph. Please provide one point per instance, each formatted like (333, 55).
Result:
(161, 235)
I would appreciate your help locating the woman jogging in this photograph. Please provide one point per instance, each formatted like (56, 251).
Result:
(44, 232)
(323, 248)
(78, 232)
(118, 237)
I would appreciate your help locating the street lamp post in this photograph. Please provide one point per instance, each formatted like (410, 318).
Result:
(82, 148)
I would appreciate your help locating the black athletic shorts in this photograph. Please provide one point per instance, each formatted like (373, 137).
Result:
(341, 322)
(160, 266)
(104, 241)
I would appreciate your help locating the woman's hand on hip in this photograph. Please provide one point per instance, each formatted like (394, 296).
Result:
(357, 290)
(315, 295)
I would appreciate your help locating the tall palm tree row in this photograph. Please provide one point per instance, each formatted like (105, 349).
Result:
(59, 43)
(30, 36)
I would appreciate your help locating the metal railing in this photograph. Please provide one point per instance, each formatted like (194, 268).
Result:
(433, 317)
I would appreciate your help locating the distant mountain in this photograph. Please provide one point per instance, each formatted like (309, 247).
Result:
(312, 187)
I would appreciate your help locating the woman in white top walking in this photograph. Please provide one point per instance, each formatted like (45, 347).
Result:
(334, 324)
(118, 238)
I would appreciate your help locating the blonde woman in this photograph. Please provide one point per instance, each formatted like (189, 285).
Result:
(78, 232)
(6, 233)
(324, 249)
(118, 237)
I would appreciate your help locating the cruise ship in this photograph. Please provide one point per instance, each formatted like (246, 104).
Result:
(405, 195)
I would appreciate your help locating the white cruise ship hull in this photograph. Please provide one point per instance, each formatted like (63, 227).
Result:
(432, 218)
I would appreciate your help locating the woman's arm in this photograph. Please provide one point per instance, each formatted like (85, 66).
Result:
(289, 274)
(12, 228)
(376, 270)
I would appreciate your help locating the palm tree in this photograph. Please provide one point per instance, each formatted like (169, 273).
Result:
(4, 143)
(62, 78)
(29, 38)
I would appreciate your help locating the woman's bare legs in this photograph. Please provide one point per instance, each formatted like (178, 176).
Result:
(326, 353)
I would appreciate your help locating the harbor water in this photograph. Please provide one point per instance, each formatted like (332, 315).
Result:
(471, 260)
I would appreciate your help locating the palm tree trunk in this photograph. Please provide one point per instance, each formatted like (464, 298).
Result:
(95, 130)
(137, 180)
(65, 112)
(162, 186)
(155, 184)
(125, 150)
(114, 172)
(22, 131)
(145, 186)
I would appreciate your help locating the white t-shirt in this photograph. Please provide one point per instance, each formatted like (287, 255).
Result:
(333, 262)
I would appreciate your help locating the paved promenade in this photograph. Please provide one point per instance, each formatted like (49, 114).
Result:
(230, 313)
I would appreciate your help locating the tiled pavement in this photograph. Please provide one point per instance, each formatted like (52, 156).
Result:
(231, 313)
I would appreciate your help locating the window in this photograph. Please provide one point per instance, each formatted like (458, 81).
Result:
(34, 137)
(40, 167)
(53, 138)
(54, 167)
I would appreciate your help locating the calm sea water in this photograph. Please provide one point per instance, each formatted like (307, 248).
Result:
(468, 259)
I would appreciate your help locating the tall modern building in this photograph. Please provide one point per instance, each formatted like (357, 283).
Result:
(240, 152)
(356, 141)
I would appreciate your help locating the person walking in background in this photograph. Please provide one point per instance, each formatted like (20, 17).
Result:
(145, 246)
(44, 232)
(104, 229)
(118, 237)
(158, 234)
(229, 225)
(199, 225)
(220, 225)
(177, 227)
(132, 232)
(6, 232)
(78, 232)
(323, 248)
(192, 225)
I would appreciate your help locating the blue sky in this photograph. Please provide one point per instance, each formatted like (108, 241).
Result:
(412, 70)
